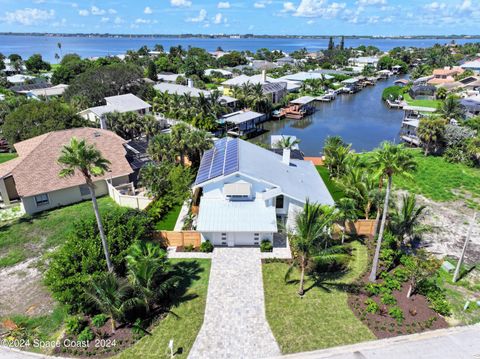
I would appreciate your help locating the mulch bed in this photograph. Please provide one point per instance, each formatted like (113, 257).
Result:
(418, 316)
(182, 249)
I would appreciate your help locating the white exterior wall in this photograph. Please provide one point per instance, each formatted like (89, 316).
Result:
(236, 238)
(67, 196)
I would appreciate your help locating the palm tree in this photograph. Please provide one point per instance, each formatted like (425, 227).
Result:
(287, 142)
(336, 155)
(160, 148)
(180, 141)
(390, 160)
(59, 45)
(405, 220)
(86, 159)
(441, 93)
(345, 211)
(201, 141)
(450, 108)
(150, 127)
(111, 296)
(310, 226)
(430, 132)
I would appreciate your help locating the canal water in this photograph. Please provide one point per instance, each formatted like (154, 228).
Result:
(361, 119)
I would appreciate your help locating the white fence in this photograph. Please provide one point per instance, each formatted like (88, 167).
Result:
(137, 202)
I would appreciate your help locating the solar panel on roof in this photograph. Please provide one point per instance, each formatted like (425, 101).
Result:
(221, 160)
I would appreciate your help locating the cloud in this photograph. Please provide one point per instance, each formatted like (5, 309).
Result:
(435, 6)
(218, 19)
(28, 16)
(223, 5)
(262, 4)
(371, 2)
(289, 7)
(60, 23)
(310, 22)
(148, 10)
(97, 11)
(466, 5)
(112, 11)
(118, 20)
(181, 3)
(317, 8)
(83, 12)
(142, 21)
(202, 15)
(105, 19)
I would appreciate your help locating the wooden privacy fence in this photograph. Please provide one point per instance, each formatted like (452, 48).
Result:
(179, 239)
(362, 227)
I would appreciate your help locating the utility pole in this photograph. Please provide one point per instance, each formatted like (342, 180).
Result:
(460, 261)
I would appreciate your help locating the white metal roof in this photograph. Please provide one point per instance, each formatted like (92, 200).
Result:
(219, 215)
(57, 90)
(303, 100)
(126, 103)
(179, 89)
(302, 76)
(241, 117)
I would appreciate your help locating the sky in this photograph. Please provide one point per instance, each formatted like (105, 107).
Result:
(295, 17)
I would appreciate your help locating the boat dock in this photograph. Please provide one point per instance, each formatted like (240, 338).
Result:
(395, 104)
(299, 108)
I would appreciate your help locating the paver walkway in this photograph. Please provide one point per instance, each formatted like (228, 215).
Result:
(235, 325)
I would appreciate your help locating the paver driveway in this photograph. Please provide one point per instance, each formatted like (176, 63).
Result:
(235, 325)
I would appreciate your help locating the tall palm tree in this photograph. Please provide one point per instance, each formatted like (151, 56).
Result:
(345, 211)
(150, 127)
(88, 160)
(180, 140)
(160, 148)
(337, 155)
(310, 227)
(111, 296)
(287, 142)
(390, 160)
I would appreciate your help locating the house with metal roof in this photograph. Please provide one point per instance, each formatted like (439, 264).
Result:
(120, 103)
(247, 193)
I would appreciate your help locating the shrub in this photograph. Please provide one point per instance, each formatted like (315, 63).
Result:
(392, 283)
(206, 247)
(266, 246)
(401, 274)
(372, 289)
(81, 258)
(188, 248)
(388, 299)
(74, 325)
(86, 335)
(99, 320)
(372, 306)
(436, 297)
(397, 314)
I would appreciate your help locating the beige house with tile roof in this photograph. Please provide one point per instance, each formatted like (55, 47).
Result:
(32, 178)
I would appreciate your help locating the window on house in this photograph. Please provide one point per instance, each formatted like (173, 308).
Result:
(280, 201)
(41, 199)
(84, 190)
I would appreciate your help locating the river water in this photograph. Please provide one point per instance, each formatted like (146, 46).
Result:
(361, 119)
(85, 46)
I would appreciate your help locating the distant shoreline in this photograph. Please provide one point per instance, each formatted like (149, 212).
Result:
(234, 36)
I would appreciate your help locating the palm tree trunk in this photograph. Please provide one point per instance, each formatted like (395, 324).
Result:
(113, 324)
(302, 276)
(100, 227)
(343, 231)
(373, 274)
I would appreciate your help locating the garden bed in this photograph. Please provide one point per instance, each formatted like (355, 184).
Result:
(418, 316)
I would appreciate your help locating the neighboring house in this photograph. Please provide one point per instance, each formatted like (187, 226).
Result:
(181, 90)
(262, 65)
(471, 105)
(423, 92)
(46, 92)
(10, 68)
(249, 193)
(470, 83)
(410, 122)
(32, 178)
(19, 79)
(363, 61)
(225, 73)
(472, 65)
(275, 88)
(445, 75)
(287, 60)
(169, 77)
(121, 103)
(303, 76)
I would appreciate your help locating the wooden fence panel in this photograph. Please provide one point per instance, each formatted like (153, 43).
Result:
(364, 227)
(177, 239)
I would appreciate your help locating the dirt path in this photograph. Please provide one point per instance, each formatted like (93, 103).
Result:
(22, 291)
(449, 222)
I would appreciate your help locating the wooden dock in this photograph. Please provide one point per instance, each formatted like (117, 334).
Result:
(395, 105)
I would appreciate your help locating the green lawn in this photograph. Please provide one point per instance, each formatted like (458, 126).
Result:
(182, 327)
(422, 103)
(440, 180)
(322, 318)
(167, 223)
(334, 190)
(4, 157)
(30, 236)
